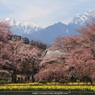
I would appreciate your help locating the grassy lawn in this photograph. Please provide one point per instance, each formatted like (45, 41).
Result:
(47, 87)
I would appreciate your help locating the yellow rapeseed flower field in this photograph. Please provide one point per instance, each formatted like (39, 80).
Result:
(45, 87)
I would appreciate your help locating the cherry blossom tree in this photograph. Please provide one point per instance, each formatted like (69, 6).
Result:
(79, 52)
(52, 72)
(6, 55)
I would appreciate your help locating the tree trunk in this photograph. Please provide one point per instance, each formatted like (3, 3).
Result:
(14, 76)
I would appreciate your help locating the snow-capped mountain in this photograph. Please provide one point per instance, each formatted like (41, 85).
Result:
(50, 33)
(20, 28)
(80, 19)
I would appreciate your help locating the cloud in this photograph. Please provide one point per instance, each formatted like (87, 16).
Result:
(32, 8)
(44, 12)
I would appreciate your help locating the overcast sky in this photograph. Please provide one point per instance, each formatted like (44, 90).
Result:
(44, 12)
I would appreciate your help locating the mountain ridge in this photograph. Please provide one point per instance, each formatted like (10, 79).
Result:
(20, 28)
(50, 33)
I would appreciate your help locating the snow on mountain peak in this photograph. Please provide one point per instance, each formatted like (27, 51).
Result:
(30, 24)
(7, 19)
(18, 23)
(20, 28)
(82, 18)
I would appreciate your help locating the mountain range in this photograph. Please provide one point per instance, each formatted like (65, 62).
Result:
(20, 28)
(50, 33)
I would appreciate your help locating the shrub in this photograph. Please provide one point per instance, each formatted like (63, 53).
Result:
(63, 81)
(42, 81)
(3, 82)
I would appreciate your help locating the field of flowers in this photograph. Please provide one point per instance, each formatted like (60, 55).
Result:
(46, 87)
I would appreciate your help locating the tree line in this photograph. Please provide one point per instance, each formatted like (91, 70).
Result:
(73, 59)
